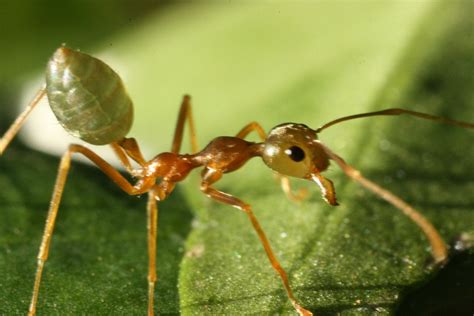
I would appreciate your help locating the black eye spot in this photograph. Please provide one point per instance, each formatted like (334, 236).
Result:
(295, 153)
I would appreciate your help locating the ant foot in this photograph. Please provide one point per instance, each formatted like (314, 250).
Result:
(301, 311)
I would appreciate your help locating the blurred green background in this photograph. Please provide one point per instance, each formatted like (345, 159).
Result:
(270, 62)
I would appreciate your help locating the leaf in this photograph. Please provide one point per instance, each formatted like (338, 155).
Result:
(273, 63)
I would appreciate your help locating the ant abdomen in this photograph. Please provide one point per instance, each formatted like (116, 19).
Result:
(87, 97)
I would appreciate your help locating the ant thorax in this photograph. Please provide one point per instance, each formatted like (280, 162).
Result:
(169, 166)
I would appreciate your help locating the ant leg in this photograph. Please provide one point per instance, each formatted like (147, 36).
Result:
(130, 145)
(253, 126)
(125, 148)
(141, 187)
(11, 132)
(122, 156)
(438, 247)
(152, 229)
(284, 180)
(209, 177)
(63, 171)
(185, 112)
(286, 187)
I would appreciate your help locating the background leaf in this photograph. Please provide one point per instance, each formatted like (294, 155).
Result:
(306, 62)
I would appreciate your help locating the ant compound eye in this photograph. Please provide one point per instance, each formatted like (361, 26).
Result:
(287, 159)
(295, 153)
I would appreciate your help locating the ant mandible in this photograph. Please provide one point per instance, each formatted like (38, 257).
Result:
(90, 101)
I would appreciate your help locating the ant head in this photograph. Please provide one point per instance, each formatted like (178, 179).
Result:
(294, 150)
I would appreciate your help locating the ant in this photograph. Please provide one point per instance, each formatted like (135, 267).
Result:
(90, 101)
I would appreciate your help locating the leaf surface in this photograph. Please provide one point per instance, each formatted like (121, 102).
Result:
(271, 63)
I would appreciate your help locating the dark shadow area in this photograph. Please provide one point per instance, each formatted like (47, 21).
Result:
(451, 292)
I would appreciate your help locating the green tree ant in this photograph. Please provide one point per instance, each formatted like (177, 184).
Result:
(89, 100)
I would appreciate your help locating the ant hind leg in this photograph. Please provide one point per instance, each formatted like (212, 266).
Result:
(15, 127)
(61, 177)
(152, 228)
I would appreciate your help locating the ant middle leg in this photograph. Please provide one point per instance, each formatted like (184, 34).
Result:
(209, 177)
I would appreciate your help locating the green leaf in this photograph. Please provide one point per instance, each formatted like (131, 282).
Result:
(271, 63)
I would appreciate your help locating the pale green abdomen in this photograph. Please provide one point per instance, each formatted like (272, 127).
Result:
(88, 97)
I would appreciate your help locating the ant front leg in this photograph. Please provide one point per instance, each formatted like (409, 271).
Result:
(63, 171)
(209, 177)
(438, 247)
(284, 180)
